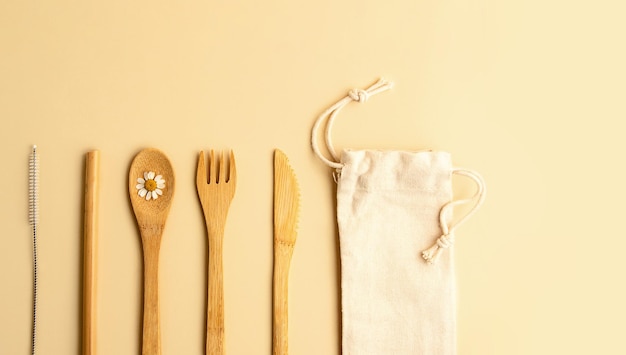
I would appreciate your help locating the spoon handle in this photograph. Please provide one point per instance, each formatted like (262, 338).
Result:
(151, 344)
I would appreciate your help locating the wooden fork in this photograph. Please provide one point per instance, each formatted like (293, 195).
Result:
(215, 193)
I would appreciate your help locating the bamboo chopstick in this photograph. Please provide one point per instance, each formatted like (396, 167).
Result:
(90, 244)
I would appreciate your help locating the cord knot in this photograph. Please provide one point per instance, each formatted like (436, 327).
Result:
(445, 241)
(358, 95)
(432, 254)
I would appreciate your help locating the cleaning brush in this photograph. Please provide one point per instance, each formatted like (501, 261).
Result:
(33, 218)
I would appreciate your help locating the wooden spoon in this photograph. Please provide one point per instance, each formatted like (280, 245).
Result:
(149, 167)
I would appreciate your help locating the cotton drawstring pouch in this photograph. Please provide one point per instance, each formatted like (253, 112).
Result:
(394, 214)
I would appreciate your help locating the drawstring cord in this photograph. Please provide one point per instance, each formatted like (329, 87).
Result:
(447, 238)
(357, 95)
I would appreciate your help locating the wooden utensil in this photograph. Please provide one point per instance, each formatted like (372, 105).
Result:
(90, 250)
(216, 193)
(151, 201)
(286, 211)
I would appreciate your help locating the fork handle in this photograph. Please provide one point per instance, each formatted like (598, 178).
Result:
(215, 308)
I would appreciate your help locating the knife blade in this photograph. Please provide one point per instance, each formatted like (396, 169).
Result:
(286, 214)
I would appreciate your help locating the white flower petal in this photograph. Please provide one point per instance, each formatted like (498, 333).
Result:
(154, 195)
(145, 175)
(151, 175)
(158, 178)
(139, 186)
(159, 191)
(148, 196)
(161, 185)
(143, 192)
(141, 181)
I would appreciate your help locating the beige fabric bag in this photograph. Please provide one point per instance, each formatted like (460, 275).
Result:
(397, 271)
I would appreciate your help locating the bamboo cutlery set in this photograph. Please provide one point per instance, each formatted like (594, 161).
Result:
(151, 185)
(394, 217)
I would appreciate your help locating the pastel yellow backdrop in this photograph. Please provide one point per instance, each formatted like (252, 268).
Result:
(529, 93)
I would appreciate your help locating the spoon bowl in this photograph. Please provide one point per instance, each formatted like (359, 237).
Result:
(151, 160)
(151, 188)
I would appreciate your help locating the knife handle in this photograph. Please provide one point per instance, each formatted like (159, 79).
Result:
(282, 259)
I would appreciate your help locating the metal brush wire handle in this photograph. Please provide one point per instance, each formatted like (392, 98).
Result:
(33, 217)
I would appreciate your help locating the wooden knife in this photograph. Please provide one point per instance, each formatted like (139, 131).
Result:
(286, 211)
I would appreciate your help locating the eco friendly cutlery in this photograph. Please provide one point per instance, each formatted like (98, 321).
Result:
(90, 250)
(286, 211)
(33, 220)
(216, 192)
(151, 188)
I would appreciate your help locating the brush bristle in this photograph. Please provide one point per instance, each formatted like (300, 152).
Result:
(33, 187)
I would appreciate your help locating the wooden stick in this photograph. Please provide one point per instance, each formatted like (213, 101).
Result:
(90, 251)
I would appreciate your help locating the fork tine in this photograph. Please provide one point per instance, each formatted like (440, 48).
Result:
(222, 168)
(201, 171)
(212, 168)
(232, 173)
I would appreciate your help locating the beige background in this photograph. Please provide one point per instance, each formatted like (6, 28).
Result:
(529, 93)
